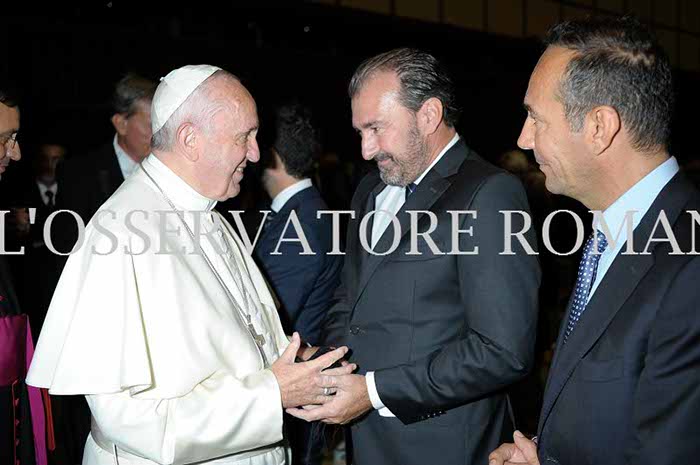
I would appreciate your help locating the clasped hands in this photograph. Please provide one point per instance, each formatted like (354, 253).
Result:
(335, 395)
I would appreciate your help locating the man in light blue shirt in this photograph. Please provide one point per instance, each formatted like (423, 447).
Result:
(623, 386)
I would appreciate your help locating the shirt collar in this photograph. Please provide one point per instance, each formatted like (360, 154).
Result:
(437, 159)
(127, 165)
(43, 189)
(289, 192)
(638, 199)
(178, 191)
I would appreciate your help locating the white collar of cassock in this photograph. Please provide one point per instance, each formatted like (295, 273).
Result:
(178, 191)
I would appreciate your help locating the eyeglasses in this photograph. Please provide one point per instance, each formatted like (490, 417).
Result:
(9, 142)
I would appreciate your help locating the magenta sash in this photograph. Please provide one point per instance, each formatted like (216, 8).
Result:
(16, 352)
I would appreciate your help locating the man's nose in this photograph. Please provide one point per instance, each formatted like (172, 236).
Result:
(369, 147)
(253, 151)
(526, 138)
(15, 153)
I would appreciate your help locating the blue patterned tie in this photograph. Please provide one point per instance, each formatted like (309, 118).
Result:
(587, 271)
(410, 189)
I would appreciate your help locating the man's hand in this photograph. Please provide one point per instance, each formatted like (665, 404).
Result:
(350, 401)
(302, 383)
(522, 451)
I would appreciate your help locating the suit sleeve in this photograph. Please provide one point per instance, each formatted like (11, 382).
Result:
(294, 277)
(222, 415)
(498, 295)
(667, 401)
(336, 322)
(335, 326)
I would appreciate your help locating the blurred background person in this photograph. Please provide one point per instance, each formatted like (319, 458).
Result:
(304, 284)
(36, 281)
(87, 181)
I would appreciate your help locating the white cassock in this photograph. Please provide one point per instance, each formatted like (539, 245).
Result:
(166, 361)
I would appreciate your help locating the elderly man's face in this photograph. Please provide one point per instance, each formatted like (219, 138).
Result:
(231, 142)
(9, 126)
(389, 131)
(135, 131)
(561, 154)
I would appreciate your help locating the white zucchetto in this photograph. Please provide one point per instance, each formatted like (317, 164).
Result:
(174, 89)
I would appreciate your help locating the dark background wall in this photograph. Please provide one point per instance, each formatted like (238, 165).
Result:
(66, 65)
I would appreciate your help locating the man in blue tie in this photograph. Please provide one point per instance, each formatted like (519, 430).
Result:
(623, 386)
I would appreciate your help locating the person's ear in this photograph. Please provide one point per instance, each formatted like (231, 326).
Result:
(119, 121)
(188, 141)
(602, 125)
(430, 115)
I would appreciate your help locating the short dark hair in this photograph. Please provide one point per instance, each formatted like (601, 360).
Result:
(8, 95)
(131, 89)
(295, 139)
(421, 75)
(619, 63)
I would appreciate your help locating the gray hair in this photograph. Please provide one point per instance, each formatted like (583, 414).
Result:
(421, 75)
(617, 62)
(130, 90)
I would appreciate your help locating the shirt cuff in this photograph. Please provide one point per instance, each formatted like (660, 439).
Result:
(372, 391)
(374, 396)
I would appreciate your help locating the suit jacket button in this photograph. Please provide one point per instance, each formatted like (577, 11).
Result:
(354, 330)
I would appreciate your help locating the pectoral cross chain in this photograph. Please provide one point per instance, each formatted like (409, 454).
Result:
(258, 338)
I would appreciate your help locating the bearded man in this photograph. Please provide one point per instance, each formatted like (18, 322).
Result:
(439, 324)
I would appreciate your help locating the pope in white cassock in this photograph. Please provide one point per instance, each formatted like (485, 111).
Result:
(161, 319)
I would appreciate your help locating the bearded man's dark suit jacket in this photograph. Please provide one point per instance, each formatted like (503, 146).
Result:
(625, 388)
(85, 183)
(445, 334)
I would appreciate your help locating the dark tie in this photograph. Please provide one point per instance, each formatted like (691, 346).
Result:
(587, 271)
(410, 189)
(49, 198)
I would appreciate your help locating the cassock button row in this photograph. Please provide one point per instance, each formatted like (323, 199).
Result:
(354, 330)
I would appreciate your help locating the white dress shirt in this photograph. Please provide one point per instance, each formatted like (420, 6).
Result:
(289, 192)
(387, 204)
(43, 189)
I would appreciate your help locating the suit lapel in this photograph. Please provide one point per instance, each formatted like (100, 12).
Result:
(431, 188)
(368, 207)
(619, 282)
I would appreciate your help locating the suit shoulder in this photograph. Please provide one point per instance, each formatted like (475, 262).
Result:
(488, 178)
